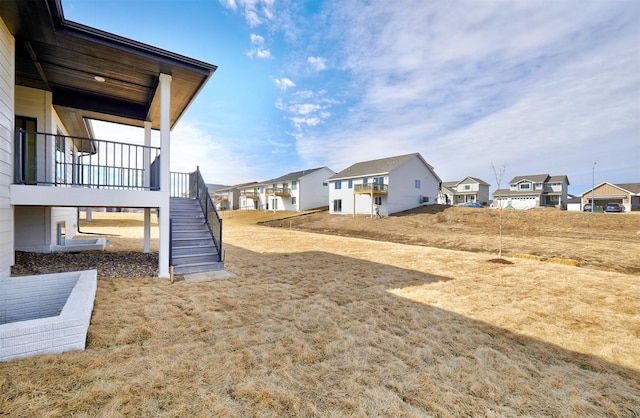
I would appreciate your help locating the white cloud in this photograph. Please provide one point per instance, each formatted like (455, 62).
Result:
(284, 83)
(258, 49)
(299, 122)
(256, 39)
(317, 63)
(256, 12)
(542, 86)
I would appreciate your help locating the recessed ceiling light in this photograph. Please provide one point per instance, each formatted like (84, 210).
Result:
(99, 79)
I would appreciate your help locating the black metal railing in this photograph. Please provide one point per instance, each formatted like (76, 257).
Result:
(61, 160)
(192, 186)
(209, 209)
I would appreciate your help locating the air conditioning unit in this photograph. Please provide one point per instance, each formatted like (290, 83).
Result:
(424, 199)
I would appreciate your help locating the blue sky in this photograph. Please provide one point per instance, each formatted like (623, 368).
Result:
(541, 86)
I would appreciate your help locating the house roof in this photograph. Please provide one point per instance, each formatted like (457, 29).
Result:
(633, 188)
(64, 57)
(519, 193)
(630, 187)
(292, 176)
(237, 186)
(475, 179)
(558, 179)
(535, 178)
(378, 167)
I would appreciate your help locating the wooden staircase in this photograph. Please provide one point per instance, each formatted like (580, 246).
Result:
(193, 248)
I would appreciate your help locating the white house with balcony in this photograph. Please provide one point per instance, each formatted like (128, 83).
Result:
(56, 76)
(228, 197)
(383, 186)
(468, 190)
(293, 192)
(538, 190)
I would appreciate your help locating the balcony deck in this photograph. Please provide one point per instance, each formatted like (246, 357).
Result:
(279, 191)
(371, 188)
(250, 195)
(45, 159)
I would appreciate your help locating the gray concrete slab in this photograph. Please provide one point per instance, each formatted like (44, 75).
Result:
(204, 276)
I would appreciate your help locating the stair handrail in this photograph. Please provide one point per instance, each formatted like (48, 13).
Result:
(213, 220)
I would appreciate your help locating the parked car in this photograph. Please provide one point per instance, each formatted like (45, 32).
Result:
(471, 205)
(613, 207)
(586, 207)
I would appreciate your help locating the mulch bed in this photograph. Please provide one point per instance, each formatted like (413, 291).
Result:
(108, 264)
(500, 261)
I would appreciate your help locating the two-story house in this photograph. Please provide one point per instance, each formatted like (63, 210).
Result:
(56, 76)
(298, 191)
(468, 190)
(228, 198)
(539, 190)
(293, 192)
(383, 186)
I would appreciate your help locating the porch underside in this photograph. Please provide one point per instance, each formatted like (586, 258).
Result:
(24, 195)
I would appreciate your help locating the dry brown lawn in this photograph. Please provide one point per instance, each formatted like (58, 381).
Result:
(334, 325)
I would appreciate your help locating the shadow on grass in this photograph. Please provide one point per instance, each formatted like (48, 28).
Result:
(307, 334)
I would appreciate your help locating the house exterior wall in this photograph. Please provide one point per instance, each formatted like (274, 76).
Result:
(7, 99)
(403, 193)
(313, 190)
(344, 195)
(37, 104)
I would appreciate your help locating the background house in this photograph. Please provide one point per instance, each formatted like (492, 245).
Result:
(539, 190)
(627, 194)
(389, 185)
(228, 197)
(293, 192)
(468, 190)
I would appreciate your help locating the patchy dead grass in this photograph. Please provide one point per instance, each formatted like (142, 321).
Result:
(326, 325)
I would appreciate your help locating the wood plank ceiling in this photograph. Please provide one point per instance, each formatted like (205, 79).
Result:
(72, 60)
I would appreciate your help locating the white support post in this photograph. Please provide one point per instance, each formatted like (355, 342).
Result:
(147, 184)
(165, 186)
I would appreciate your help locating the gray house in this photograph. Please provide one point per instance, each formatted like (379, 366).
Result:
(468, 190)
(539, 190)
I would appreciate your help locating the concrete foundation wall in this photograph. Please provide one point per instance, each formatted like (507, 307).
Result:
(45, 314)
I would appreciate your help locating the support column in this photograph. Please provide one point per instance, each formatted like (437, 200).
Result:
(165, 186)
(147, 183)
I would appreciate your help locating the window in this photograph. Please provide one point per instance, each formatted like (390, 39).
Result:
(467, 187)
(378, 200)
(416, 184)
(350, 184)
(61, 233)
(337, 205)
(294, 185)
(27, 144)
(338, 185)
(365, 180)
(294, 200)
(378, 180)
(525, 186)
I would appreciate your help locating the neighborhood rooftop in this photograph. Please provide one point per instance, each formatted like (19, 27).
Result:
(372, 167)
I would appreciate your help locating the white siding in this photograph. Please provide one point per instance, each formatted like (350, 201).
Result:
(312, 191)
(345, 194)
(7, 74)
(403, 194)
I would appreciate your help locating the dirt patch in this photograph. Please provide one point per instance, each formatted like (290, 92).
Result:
(602, 241)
